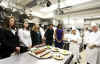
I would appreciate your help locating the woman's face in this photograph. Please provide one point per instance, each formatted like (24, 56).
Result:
(37, 27)
(11, 22)
(60, 27)
(26, 24)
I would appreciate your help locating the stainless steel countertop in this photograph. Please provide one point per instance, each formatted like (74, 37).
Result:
(25, 58)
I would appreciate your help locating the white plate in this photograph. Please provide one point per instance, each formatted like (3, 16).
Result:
(58, 56)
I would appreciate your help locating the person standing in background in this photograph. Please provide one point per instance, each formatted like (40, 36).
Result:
(42, 31)
(36, 36)
(49, 35)
(85, 36)
(25, 37)
(59, 36)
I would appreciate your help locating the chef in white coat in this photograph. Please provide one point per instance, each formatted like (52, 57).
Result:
(85, 36)
(93, 43)
(75, 41)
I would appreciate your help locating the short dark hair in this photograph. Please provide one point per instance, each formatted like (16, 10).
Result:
(50, 24)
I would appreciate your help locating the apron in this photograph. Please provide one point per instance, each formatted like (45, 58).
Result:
(98, 56)
(91, 56)
(74, 48)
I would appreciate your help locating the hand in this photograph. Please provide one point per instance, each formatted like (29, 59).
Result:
(59, 41)
(74, 41)
(44, 38)
(30, 47)
(17, 49)
(43, 44)
(43, 41)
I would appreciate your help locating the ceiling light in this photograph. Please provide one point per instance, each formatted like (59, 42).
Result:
(75, 2)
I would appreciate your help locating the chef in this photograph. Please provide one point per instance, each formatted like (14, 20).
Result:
(85, 36)
(93, 43)
(75, 41)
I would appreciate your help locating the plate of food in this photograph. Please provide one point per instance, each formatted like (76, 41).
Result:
(58, 56)
(64, 52)
(55, 49)
(40, 52)
(45, 56)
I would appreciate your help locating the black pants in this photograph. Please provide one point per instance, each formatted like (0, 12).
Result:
(66, 46)
(23, 49)
(5, 52)
(49, 42)
(36, 43)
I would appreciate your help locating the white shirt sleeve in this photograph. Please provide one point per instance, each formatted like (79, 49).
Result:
(24, 38)
(20, 34)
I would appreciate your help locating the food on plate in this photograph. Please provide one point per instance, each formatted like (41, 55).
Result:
(46, 55)
(64, 52)
(48, 51)
(56, 49)
(39, 51)
(48, 47)
(58, 56)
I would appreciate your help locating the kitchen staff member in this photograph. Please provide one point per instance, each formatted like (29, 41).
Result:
(75, 41)
(93, 43)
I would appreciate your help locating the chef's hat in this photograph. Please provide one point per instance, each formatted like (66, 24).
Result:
(73, 28)
(93, 24)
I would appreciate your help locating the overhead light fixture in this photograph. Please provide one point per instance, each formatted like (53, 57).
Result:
(63, 4)
(41, 15)
(75, 2)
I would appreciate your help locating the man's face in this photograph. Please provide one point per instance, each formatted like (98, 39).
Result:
(51, 26)
(94, 28)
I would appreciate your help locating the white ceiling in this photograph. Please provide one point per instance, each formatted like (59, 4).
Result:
(49, 11)
(77, 5)
(83, 7)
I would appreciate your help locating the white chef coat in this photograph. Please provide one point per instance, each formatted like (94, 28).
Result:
(66, 36)
(74, 47)
(25, 37)
(93, 38)
(86, 34)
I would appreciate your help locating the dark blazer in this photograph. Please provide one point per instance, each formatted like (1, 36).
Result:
(49, 34)
(36, 39)
(8, 43)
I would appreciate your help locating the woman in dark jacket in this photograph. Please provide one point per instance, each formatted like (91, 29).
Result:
(36, 36)
(8, 39)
